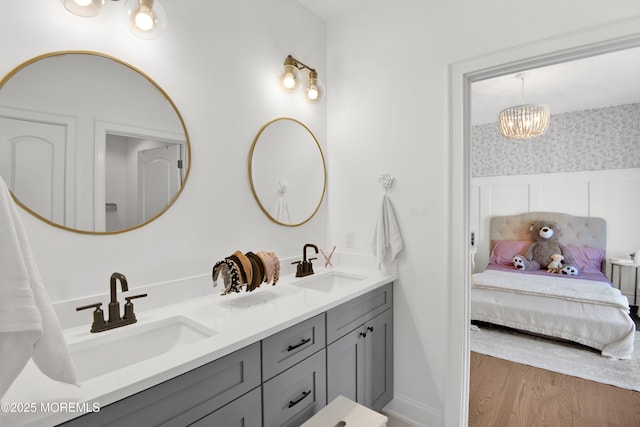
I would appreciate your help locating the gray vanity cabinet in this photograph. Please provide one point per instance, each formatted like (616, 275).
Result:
(280, 381)
(186, 398)
(360, 361)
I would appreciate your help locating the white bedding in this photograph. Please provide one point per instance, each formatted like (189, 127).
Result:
(589, 312)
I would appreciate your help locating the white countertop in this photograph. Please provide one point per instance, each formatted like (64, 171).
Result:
(237, 319)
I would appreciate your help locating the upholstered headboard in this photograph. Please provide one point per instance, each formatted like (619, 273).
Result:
(574, 230)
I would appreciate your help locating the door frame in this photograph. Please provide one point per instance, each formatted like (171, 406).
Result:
(104, 128)
(580, 44)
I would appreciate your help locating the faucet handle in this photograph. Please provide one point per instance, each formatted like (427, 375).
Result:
(128, 307)
(98, 315)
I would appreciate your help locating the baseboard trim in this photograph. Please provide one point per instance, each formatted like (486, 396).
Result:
(410, 411)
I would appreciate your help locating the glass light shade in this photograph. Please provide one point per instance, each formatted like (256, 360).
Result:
(314, 89)
(289, 81)
(524, 121)
(147, 18)
(86, 8)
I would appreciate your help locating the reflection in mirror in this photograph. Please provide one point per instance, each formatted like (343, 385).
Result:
(89, 143)
(287, 171)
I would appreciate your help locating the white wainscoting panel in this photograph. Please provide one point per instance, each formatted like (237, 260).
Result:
(611, 194)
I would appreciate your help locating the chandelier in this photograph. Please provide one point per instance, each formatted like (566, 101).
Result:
(524, 121)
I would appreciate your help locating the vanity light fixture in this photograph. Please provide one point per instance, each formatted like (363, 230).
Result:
(85, 8)
(147, 18)
(524, 121)
(290, 81)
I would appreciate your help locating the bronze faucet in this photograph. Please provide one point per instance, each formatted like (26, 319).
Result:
(305, 268)
(115, 320)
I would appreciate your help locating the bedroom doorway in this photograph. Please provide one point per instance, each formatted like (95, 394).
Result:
(605, 39)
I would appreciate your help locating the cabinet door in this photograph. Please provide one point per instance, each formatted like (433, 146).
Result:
(345, 367)
(360, 364)
(378, 361)
(245, 411)
(296, 394)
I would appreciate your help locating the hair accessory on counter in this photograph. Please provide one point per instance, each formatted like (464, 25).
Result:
(256, 267)
(229, 273)
(260, 272)
(327, 258)
(276, 267)
(267, 262)
(246, 265)
(250, 270)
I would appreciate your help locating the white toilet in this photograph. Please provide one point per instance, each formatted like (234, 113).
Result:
(342, 412)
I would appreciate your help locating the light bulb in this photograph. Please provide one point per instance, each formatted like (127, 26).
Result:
(314, 89)
(147, 18)
(289, 76)
(86, 8)
(144, 19)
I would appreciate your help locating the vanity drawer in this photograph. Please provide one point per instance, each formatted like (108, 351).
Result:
(295, 395)
(286, 348)
(185, 399)
(245, 411)
(348, 316)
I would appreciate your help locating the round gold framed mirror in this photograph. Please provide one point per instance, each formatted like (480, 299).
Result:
(89, 143)
(287, 172)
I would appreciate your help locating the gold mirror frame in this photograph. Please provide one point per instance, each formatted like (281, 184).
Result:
(251, 174)
(187, 143)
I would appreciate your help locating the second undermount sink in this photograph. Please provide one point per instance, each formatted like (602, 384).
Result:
(132, 344)
(327, 282)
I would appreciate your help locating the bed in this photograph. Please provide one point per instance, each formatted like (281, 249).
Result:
(585, 309)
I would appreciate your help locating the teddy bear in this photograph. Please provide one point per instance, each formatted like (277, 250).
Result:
(545, 235)
(556, 264)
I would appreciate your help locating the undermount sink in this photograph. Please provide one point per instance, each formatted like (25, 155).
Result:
(328, 282)
(125, 346)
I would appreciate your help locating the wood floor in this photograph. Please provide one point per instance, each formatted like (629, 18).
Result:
(504, 393)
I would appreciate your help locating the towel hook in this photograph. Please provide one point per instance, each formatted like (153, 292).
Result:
(386, 180)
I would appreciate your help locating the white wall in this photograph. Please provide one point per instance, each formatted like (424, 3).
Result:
(388, 111)
(219, 62)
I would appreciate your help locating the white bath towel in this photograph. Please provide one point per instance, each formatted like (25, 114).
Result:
(29, 327)
(281, 210)
(386, 240)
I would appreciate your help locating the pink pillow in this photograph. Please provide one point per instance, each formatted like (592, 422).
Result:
(503, 251)
(587, 259)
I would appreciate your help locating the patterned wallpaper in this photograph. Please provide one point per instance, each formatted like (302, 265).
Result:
(604, 138)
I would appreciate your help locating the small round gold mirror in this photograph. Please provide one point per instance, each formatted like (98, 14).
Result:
(287, 171)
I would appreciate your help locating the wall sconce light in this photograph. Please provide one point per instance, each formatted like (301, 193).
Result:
(85, 8)
(290, 81)
(146, 18)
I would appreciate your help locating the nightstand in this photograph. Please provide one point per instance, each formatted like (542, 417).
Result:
(625, 262)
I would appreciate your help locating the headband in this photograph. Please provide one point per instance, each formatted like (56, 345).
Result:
(276, 267)
(230, 275)
(258, 270)
(267, 262)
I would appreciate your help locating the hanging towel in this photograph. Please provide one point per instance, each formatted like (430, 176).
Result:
(386, 241)
(29, 327)
(281, 210)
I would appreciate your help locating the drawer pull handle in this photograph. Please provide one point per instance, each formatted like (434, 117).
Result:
(300, 344)
(370, 328)
(293, 403)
